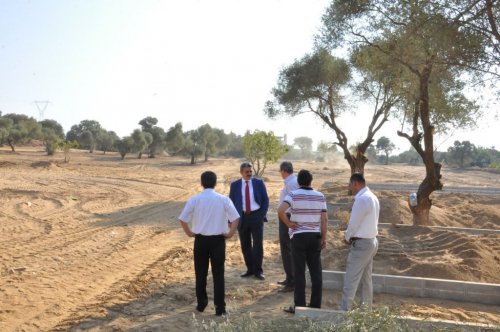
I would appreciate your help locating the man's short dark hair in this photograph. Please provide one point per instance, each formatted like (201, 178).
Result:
(304, 178)
(208, 179)
(286, 167)
(357, 177)
(245, 165)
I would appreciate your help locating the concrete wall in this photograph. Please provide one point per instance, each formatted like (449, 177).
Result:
(423, 287)
(471, 231)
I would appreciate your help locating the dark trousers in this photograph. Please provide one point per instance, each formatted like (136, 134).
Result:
(251, 233)
(306, 249)
(286, 252)
(213, 249)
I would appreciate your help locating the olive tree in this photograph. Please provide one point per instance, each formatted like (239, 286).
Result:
(437, 47)
(318, 84)
(19, 129)
(385, 145)
(262, 148)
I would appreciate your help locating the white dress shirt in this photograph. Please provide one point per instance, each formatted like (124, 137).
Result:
(209, 213)
(364, 216)
(290, 184)
(253, 203)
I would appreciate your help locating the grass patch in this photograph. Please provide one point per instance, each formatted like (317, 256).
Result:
(381, 319)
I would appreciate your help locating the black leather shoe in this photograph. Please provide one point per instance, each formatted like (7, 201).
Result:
(283, 283)
(201, 306)
(220, 312)
(260, 276)
(246, 274)
(286, 289)
(290, 310)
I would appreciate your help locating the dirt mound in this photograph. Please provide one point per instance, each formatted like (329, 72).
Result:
(427, 253)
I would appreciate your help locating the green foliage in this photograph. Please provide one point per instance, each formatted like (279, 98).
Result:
(157, 143)
(304, 143)
(262, 148)
(385, 145)
(141, 141)
(85, 133)
(194, 146)
(106, 140)
(51, 140)
(175, 139)
(325, 147)
(208, 139)
(56, 128)
(433, 49)
(235, 146)
(380, 319)
(410, 157)
(312, 84)
(461, 153)
(19, 129)
(223, 141)
(124, 146)
(66, 146)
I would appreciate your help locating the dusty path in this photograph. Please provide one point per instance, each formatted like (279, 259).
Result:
(95, 243)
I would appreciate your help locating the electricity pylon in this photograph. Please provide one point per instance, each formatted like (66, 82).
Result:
(41, 106)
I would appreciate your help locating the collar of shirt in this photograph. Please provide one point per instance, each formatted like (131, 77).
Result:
(361, 192)
(290, 178)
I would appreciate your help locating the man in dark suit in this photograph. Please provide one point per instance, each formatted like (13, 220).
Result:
(249, 196)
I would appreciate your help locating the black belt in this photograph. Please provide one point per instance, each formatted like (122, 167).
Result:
(209, 236)
(356, 238)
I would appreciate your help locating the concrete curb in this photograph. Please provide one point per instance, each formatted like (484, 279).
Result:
(471, 231)
(463, 291)
(337, 317)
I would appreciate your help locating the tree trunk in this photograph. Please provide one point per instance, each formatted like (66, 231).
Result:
(421, 211)
(432, 179)
(192, 159)
(357, 162)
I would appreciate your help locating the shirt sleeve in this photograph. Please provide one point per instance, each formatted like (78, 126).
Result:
(288, 200)
(231, 212)
(325, 208)
(359, 209)
(187, 212)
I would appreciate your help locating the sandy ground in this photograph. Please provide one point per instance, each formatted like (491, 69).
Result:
(95, 245)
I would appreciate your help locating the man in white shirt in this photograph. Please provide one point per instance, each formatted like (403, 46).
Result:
(209, 213)
(361, 235)
(290, 184)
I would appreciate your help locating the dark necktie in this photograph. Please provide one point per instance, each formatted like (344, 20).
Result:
(247, 198)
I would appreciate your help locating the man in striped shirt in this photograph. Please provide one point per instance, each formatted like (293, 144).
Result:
(307, 228)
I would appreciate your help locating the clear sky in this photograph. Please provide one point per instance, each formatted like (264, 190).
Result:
(189, 61)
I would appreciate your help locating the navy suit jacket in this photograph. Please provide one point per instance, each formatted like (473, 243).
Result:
(259, 193)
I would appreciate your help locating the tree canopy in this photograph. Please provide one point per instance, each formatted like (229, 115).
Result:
(262, 148)
(434, 48)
